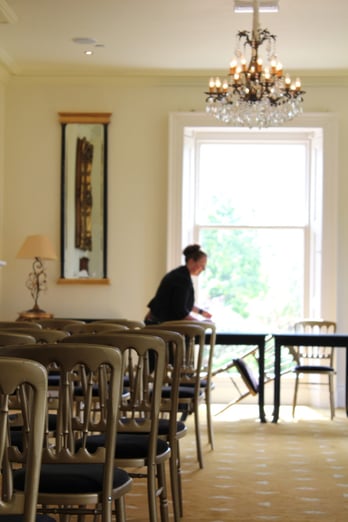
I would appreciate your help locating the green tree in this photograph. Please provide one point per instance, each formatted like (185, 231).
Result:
(233, 272)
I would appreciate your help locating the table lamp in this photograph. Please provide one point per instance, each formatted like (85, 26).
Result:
(37, 247)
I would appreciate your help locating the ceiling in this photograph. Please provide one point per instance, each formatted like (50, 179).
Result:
(164, 36)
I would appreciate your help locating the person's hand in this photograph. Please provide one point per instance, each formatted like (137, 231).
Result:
(206, 315)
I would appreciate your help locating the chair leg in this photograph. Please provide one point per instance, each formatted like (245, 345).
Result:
(198, 436)
(152, 493)
(161, 478)
(175, 481)
(181, 502)
(295, 395)
(332, 400)
(120, 509)
(209, 417)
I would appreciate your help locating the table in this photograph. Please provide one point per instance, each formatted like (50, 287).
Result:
(250, 339)
(303, 339)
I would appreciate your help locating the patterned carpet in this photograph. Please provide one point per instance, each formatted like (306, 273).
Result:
(291, 471)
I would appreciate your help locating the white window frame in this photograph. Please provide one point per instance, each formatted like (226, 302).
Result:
(323, 267)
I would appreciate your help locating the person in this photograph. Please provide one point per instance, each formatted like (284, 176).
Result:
(174, 299)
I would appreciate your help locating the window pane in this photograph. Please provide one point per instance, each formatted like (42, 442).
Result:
(254, 280)
(252, 184)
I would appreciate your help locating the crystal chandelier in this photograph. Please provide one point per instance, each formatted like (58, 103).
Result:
(259, 94)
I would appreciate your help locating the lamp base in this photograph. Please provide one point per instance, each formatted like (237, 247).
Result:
(32, 315)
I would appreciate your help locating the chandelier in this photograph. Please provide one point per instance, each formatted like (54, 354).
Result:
(256, 93)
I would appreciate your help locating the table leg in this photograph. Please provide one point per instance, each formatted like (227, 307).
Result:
(347, 381)
(262, 382)
(276, 398)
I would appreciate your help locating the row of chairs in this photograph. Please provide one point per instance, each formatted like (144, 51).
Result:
(70, 478)
(188, 336)
(179, 346)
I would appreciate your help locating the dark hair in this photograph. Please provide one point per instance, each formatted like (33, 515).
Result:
(193, 252)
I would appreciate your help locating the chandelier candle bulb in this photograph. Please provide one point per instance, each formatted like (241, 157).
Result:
(233, 66)
(211, 85)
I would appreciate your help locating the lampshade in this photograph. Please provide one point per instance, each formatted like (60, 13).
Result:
(37, 246)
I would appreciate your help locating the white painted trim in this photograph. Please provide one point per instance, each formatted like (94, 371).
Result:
(179, 125)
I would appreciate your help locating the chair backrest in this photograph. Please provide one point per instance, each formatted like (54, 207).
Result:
(15, 338)
(94, 327)
(131, 324)
(59, 324)
(209, 328)
(27, 380)
(19, 324)
(40, 335)
(194, 366)
(175, 348)
(144, 358)
(314, 354)
(315, 326)
(92, 369)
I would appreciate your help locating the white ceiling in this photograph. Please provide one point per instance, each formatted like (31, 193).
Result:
(160, 35)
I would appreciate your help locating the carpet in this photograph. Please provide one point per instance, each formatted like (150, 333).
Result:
(296, 470)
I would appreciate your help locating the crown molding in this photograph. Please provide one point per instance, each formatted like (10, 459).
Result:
(164, 77)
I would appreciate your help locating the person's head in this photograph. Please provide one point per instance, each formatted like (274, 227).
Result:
(195, 259)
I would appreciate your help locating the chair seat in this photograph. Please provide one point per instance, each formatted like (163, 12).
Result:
(249, 380)
(314, 369)
(164, 425)
(128, 445)
(70, 479)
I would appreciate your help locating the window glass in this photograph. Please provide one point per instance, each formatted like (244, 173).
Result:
(254, 280)
(252, 184)
(251, 217)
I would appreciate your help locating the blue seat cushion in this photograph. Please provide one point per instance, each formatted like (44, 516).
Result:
(71, 478)
(164, 424)
(128, 445)
(247, 375)
(313, 368)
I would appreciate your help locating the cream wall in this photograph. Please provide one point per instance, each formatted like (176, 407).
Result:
(138, 156)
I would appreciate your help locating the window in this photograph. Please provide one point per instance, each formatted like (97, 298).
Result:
(262, 204)
(252, 218)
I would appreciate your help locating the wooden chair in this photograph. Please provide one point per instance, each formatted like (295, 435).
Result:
(314, 360)
(74, 480)
(131, 324)
(18, 324)
(193, 374)
(7, 338)
(94, 327)
(40, 335)
(138, 444)
(207, 382)
(27, 381)
(169, 427)
(59, 324)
